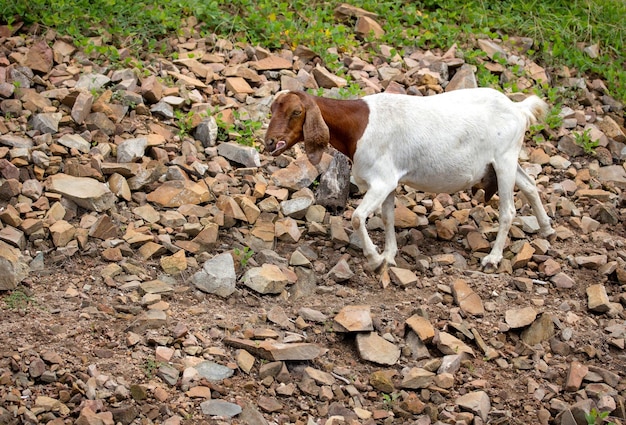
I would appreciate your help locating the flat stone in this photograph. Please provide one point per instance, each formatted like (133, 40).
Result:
(175, 193)
(597, 299)
(354, 318)
(467, 299)
(244, 155)
(275, 351)
(422, 327)
(449, 344)
(417, 378)
(47, 122)
(477, 402)
(267, 279)
(213, 372)
(297, 175)
(376, 349)
(84, 191)
(575, 375)
(542, 329)
(403, 277)
(519, 318)
(131, 149)
(220, 408)
(82, 107)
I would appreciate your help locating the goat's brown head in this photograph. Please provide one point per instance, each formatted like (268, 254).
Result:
(295, 118)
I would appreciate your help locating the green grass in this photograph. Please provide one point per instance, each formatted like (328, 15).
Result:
(103, 26)
(18, 300)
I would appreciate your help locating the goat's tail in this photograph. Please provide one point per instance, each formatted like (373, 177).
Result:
(534, 108)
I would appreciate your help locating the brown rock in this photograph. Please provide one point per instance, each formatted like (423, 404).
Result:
(467, 299)
(39, 57)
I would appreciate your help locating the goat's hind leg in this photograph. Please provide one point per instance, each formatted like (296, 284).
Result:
(527, 186)
(391, 245)
(373, 199)
(506, 184)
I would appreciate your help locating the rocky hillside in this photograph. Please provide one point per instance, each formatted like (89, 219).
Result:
(155, 267)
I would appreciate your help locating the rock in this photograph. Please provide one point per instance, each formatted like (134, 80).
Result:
(217, 276)
(382, 380)
(245, 155)
(297, 175)
(131, 149)
(47, 122)
(417, 378)
(575, 375)
(341, 271)
(175, 193)
(597, 299)
(275, 351)
(477, 402)
(213, 372)
(220, 408)
(366, 26)
(267, 279)
(449, 344)
(39, 57)
(334, 186)
(354, 318)
(82, 107)
(75, 141)
(326, 79)
(467, 299)
(376, 349)
(464, 78)
(84, 191)
(542, 329)
(402, 277)
(422, 327)
(520, 318)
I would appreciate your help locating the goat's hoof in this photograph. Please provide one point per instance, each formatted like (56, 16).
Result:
(490, 263)
(549, 234)
(375, 265)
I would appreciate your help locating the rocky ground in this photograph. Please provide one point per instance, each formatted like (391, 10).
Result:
(155, 270)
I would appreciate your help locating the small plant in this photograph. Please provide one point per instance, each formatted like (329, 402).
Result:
(18, 300)
(594, 417)
(244, 255)
(184, 122)
(388, 399)
(149, 367)
(584, 141)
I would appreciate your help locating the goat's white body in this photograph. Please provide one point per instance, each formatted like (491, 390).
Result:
(442, 143)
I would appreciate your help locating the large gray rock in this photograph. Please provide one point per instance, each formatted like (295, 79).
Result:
(217, 276)
(13, 267)
(245, 155)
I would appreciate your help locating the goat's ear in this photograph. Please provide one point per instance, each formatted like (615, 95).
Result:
(316, 133)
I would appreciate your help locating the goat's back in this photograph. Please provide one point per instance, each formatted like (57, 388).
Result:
(440, 143)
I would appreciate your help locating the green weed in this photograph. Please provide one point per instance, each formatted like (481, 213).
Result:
(584, 141)
(594, 417)
(18, 300)
(243, 255)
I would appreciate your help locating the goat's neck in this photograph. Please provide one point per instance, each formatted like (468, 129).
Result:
(346, 121)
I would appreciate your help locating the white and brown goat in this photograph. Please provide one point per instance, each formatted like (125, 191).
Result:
(443, 143)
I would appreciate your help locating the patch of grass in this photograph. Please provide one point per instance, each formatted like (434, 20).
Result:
(18, 300)
(559, 29)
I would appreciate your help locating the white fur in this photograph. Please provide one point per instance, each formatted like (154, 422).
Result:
(443, 143)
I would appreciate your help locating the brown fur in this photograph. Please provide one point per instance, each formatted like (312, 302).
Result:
(298, 116)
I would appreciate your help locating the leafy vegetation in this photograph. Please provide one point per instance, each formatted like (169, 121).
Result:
(559, 28)
(18, 300)
(584, 140)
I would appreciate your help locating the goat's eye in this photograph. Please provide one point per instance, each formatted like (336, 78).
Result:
(296, 113)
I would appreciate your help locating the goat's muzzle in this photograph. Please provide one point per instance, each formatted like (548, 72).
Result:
(275, 147)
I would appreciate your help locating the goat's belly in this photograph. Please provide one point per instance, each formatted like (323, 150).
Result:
(441, 183)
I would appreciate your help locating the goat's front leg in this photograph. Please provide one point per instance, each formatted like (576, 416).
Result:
(391, 245)
(371, 201)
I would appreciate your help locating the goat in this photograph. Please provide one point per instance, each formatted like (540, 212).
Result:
(442, 143)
